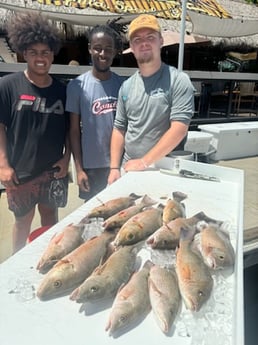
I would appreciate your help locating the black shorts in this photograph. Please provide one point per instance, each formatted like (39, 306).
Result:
(44, 189)
(97, 179)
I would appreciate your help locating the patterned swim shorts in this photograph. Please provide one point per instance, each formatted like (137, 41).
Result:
(44, 189)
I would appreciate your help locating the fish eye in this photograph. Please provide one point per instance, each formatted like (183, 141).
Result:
(130, 236)
(122, 319)
(57, 283)
(221, 257)
(94, 289)
(200, 293)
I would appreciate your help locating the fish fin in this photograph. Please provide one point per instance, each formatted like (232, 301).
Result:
(62, 261)
(135, 196)
(85, 220)
(92, 238)
(179, 196)
(106, 255)
(108, 325)
(154, 287)
(99, 269)
(121, 287)
(100, 201)
(147, 201)
(202, 216)
(57, 238)
(74, 294)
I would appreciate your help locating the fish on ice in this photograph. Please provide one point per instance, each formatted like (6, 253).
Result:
(165, 297)
(167, 236)
(110, 207)
(106, 279)
(118, 219)
(174, 208)
(140, 226)
(194, 277)
(60, 245)
(215, 246)
(74, 268)
(132, 302)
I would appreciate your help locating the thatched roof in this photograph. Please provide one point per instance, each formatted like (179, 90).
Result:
(236, 9)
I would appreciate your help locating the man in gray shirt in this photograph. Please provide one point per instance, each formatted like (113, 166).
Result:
(155, 105)
(91, 101)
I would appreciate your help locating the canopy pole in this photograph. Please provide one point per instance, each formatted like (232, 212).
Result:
(182, 37)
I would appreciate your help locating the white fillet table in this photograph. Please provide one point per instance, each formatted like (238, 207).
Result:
(61, 321)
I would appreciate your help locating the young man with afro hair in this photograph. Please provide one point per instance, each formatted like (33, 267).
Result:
(34, 145)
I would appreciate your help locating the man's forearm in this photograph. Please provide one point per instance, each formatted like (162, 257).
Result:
(116, 148)
(3, 147)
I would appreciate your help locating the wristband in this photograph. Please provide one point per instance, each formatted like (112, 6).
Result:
(114, 168)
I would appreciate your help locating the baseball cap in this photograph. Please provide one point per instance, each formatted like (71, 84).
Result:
(144, 21)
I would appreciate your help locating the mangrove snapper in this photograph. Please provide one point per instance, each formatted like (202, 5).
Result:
(139, 227)
(110, 207)
(118, 219)
(107, 278)
(132, 301)
(194, 277)
(60, 245)
(167, 236)
(174, 208)
(74, 268)
(215, 246)
(164, 296)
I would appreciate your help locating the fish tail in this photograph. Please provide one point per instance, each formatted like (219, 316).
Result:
(161, 207)
(179, 196)
(135, 196)
(147, 201)
(202, 216)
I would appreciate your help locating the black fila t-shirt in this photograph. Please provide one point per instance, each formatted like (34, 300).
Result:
(36, 123)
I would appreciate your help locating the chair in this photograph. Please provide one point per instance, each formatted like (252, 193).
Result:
(36, 233)
(247, 98)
